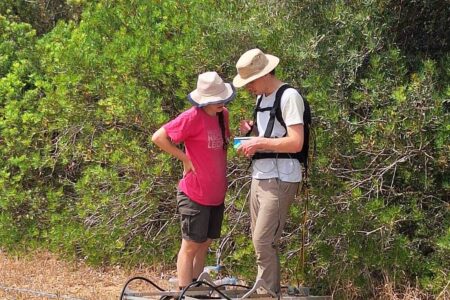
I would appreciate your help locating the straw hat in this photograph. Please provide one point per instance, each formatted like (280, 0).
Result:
(252, 65)
(211, 90)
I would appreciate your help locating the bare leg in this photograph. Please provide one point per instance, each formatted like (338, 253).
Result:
(190, 257)
(200, 258)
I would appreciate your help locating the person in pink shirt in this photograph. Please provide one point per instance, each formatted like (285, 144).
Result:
(204, 130)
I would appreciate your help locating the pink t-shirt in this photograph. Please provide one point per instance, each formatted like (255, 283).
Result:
(203, 142)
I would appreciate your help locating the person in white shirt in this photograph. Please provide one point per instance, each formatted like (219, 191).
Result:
(275, 177)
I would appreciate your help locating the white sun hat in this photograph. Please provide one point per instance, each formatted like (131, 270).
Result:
(252, 65)
(211, 89)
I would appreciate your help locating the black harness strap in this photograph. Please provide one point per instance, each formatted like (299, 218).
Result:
(275, 111)
(222, 129)
(255, 111)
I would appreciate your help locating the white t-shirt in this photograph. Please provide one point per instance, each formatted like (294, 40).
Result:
(292, 109)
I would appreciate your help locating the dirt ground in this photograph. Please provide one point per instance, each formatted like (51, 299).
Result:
(42, 275)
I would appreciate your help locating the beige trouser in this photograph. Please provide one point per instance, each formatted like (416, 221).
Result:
(269, 205)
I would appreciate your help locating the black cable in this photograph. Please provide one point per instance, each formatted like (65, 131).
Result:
(138, 278)
(195, 283)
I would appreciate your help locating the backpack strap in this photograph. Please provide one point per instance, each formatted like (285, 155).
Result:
(301, 156)
(222, 129)
(255, 111)
(276, 112)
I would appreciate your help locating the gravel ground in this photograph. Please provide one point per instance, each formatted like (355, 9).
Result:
(42, 275)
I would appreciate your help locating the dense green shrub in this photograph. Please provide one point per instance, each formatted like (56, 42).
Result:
(78, 106)
(42, 14)
(23, 197)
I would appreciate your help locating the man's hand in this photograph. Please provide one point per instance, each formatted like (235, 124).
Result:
(245, 126)
(249, 147)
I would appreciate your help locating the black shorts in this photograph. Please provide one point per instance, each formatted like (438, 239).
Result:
(199, 222)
